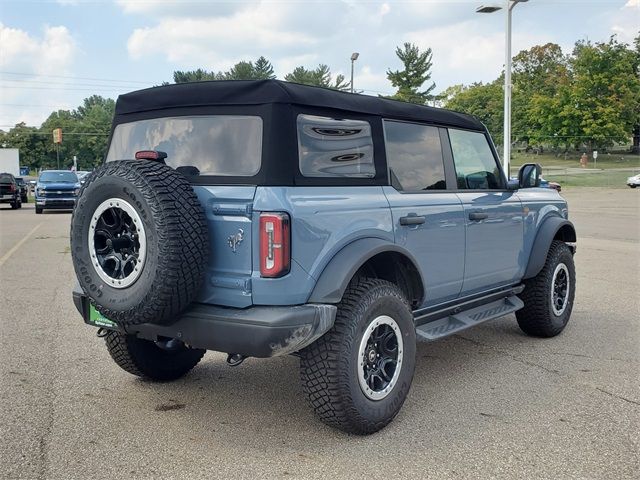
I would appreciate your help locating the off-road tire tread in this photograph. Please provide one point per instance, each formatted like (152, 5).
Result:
(535, 318)
(324, 381)
(126, 352)
(183, 241)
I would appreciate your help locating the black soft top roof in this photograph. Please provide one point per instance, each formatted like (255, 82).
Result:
(261, 92)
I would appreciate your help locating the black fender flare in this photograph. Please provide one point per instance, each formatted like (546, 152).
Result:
(335, 277)
(546, 233)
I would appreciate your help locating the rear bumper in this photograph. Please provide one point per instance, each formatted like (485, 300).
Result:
(8, 198)
(259, 331)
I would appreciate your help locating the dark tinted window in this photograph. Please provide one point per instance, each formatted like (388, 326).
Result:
(330, 147)
(62, 177)
(476, 168)
(414, 156)
(6, 178)
(225, 145)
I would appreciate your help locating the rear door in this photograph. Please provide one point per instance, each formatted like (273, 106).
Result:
(428, 220)
(493, 214)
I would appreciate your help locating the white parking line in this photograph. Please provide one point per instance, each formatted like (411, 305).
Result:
(6, 256)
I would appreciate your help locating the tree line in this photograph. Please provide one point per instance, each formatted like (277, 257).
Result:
(590, 97)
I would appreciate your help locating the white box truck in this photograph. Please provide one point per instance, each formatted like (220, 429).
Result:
(10, 161)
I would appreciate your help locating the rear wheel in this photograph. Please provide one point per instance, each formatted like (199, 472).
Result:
(358, 375)
(160, 361)
(548, 297)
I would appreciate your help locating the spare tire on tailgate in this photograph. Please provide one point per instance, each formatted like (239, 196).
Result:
(139, 242)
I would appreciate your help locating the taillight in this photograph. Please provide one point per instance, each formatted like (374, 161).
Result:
(275, 239)
(12, 187)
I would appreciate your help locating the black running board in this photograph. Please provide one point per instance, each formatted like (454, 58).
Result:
(452, 324)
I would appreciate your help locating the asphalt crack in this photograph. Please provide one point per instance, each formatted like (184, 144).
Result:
(615, 395)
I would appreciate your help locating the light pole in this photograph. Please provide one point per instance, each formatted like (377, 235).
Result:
(354, 57)
(508, 6)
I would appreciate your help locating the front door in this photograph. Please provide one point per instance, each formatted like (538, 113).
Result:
(428, 220)
(493, 215)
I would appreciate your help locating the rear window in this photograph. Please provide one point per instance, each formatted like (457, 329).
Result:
(224, 145)
(331, 147)
(6, 178)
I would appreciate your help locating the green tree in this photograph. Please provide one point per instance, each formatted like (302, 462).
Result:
(198, 75)
(541, 82)
(243, 70)
(484, 100)
(320, 77)
(416, 72)
(605, 94)
(29, 141)
(263, 70)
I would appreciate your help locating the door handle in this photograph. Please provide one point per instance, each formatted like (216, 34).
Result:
(412, 220)
(477, 216)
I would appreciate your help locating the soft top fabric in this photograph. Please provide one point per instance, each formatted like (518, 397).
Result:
(261, 92)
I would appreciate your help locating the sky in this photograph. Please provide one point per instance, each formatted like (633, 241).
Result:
(54, 53)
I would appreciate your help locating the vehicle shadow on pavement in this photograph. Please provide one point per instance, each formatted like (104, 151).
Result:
(452, 378)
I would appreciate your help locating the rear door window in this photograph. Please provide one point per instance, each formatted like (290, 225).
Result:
(225, 145)
(414, 156)
(331, 147)
(476, 167)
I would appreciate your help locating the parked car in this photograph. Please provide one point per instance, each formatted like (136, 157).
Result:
(265, 218)
(24, 189)
(10, 191)
(634, 181)
(81, 176)
(56, 189)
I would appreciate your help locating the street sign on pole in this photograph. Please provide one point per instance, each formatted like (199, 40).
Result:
(595, 158)
(57, 135)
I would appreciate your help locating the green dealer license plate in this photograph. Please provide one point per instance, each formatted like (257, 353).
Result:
(96, 318)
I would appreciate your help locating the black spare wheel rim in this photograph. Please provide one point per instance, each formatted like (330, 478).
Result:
(139, 242)
(117, 242)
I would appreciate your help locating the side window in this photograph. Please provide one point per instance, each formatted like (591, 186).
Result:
(414, 156)
(330, 147)
(476, 168)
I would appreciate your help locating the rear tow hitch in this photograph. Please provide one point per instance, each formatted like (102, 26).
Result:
(235, 359)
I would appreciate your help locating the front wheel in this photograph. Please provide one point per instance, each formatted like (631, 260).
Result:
(159, 361)
(38, 210)
(358, 375)
(548, 297)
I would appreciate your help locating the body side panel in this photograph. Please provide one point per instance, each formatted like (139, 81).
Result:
(323, 221)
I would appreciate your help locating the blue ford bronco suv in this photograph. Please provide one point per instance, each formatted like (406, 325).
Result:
(265, 218)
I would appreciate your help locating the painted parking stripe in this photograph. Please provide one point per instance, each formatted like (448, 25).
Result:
(6, 256)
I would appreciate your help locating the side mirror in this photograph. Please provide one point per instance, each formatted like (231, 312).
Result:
(529, 175)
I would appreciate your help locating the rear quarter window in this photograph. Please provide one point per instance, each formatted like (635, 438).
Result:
(330, 147)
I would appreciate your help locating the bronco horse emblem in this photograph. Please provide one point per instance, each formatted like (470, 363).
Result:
(235, 240)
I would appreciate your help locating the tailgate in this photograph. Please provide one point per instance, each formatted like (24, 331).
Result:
(229, 214)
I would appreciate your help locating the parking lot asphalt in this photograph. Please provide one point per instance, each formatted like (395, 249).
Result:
(489, 402)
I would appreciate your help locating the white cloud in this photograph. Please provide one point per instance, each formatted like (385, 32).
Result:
(33, 58)
(218, 41)
(625, 23)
